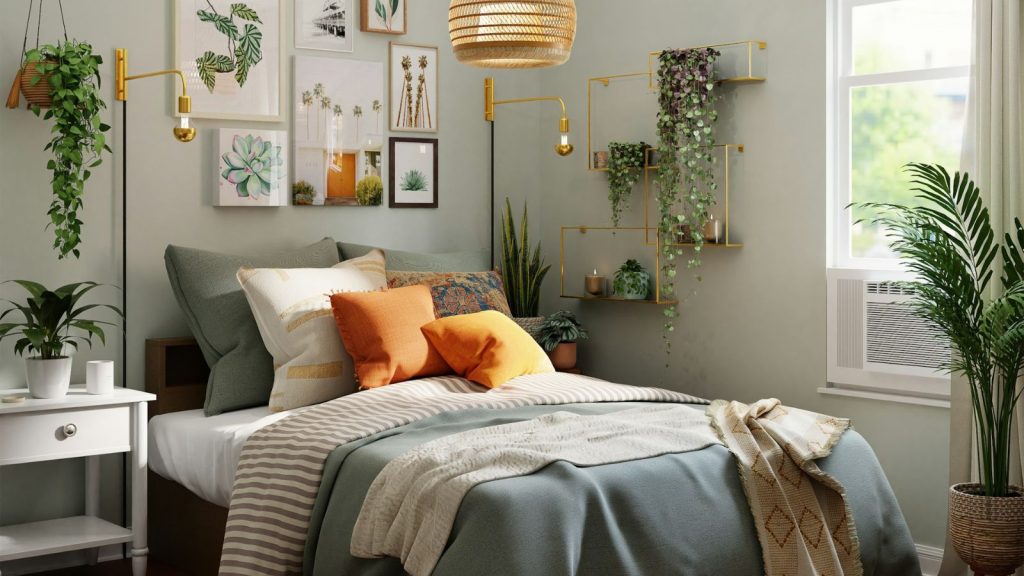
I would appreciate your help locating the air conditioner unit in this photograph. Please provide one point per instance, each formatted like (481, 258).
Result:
(876, 342)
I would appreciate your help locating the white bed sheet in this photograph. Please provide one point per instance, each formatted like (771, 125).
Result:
(202, 453)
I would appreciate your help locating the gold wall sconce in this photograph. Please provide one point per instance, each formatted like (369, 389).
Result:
(563, 148)
(184, 132)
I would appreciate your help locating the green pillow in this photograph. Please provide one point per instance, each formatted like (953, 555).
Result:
(417, 262)
(241, 369)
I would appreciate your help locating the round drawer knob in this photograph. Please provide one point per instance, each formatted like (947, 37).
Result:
(70, 430)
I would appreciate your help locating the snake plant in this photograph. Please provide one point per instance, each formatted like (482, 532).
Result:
(523, 269)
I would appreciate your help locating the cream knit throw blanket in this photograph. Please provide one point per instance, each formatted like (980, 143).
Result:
(803, 521)
(411, 506)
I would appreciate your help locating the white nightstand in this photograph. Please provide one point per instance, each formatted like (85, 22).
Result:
(78, 425)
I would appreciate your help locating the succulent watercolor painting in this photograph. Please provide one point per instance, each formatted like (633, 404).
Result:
(253, 166)
(414, 181)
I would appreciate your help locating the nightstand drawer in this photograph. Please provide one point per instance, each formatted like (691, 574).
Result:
(37, 436)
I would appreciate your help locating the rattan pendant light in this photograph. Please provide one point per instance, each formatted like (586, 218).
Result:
(521, 34)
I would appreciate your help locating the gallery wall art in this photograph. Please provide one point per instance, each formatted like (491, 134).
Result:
(325, 25)
(232, 54)
(414, 78)
(413, 175)
(252, 168)
(384, 16)
(338, 131)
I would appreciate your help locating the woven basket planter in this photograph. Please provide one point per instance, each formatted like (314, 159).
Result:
(532, 325)
(987, 532)
(38, 94)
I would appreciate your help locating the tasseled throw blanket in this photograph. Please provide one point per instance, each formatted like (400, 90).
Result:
(411, 507)
(803, 521)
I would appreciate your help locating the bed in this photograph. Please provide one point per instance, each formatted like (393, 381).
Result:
(673, 514)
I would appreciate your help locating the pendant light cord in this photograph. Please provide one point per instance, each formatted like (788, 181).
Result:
(28, 21)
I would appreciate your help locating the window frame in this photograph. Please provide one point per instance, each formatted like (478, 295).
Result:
(841, 82)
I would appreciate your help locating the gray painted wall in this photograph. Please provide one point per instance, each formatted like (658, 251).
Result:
(755, 327)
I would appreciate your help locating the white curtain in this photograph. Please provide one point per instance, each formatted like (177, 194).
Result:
(992, 154)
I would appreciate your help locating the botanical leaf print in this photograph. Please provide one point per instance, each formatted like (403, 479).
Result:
(244, 47)
(245, 13)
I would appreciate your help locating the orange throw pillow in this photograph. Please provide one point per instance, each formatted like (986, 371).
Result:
(381, 331)
(488, 347)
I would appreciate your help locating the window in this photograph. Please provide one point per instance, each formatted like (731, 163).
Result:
(900, 71)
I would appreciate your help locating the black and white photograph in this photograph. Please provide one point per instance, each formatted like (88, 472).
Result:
(325, 25)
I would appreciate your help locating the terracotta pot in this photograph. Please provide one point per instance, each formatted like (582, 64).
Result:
(987, 532)
(39, 93)
(563, 357)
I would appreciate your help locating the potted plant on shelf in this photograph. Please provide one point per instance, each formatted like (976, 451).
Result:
(52, 325)
(947, 242)
(522, 269)
(303, 193)
(72, 72)
(559, 335)
(632, 282)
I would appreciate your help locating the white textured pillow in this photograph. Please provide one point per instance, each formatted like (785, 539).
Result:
(293, 311)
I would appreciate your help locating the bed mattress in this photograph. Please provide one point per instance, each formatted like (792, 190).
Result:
(200, 452)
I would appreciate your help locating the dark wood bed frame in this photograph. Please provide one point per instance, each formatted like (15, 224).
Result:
(185, 532)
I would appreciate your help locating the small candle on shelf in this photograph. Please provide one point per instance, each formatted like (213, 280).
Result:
(595, 284)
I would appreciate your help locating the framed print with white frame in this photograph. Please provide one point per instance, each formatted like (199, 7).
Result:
(232, 54)
(338, 131)
(413, 178)
(413, 72)
(384, 16)
(252, 168)
(323, 25)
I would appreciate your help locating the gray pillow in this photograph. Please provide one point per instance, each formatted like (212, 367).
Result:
(417, 262)
(241, 370)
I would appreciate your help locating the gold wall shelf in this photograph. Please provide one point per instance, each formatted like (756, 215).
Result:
(748, 78)
(656, 274)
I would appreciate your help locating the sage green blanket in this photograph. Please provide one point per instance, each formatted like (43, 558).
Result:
(674, 514)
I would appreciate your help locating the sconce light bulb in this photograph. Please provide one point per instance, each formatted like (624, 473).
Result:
(184, 122)
(565, 139)
(184, 132)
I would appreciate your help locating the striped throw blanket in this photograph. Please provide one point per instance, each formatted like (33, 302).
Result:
(803, 521)
(279, 473)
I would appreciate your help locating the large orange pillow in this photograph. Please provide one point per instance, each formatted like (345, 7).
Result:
(487, 347)
(381, 331)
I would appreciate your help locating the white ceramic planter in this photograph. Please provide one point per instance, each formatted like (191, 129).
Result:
(48, 378)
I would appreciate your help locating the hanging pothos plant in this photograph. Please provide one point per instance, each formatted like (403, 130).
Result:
(625, 166)
(686, 186)
(77, 142)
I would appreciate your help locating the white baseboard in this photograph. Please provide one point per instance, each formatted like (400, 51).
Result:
(931, 559)
(56, 561)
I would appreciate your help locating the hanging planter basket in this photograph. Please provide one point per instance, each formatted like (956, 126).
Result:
(29, 81)
(36, 92)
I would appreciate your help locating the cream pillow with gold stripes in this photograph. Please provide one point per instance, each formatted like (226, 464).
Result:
(293, 311)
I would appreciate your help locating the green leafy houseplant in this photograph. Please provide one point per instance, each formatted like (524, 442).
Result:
(52, 320)
(632, 282)
(560, 327)
(414, 181)
(303, 193)
(523, 269)
(625, 167)
(244, 46)
(686, 80)
(78, 142)
(948, 243)
(370, 191)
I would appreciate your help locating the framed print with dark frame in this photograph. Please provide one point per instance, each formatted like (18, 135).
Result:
(413, 71)
(413, 173)
(384, 16)
(232, 54)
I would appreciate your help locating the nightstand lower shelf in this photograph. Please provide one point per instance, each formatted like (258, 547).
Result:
(61, 535)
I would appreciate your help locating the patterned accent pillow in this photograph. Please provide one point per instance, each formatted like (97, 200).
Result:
(292, 308)
(457, 293)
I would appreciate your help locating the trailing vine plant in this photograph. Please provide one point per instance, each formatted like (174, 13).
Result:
(686, 178)
(625, 166)
(77, 141)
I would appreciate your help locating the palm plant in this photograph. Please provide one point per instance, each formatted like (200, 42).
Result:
(357, 111)
(948, 243)
(48, 318)
(377, 108)
(523, 270)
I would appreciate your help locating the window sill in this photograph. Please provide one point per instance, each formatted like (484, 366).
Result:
(885, 397)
